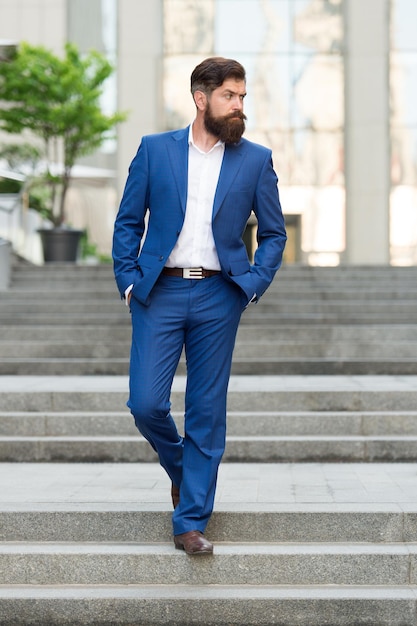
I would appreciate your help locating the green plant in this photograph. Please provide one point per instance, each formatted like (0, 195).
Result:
(10, 186)
(87, 248)
(58, 100)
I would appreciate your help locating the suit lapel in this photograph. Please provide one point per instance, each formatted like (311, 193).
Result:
(232, 161)
(178, 155)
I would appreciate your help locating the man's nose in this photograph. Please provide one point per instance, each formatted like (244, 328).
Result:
(237, 103)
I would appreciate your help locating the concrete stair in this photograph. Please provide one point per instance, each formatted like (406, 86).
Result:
(295, 543)
(68, 320)
(85, 419)
(315, 521)
(69, 557)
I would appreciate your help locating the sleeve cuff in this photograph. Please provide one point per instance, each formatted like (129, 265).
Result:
(127, 292)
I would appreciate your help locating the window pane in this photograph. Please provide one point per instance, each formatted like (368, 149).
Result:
(324, 219)
(292, 51)
(403, 231)
(404, 156)
(268, 100)
(188, 27)
(308, 158)
(252, 26)
(323, 216)
(403, 24)
(403, 94)
(317, 26)
(403, 84)
(179, 108)
(317, 98)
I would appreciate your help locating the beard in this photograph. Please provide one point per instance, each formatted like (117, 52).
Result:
(228, 128)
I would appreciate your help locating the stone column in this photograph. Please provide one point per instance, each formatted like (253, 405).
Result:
(367, 146)
(139, 76)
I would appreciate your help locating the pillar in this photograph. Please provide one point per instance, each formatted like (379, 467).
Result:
(140, 76)
(367, 146)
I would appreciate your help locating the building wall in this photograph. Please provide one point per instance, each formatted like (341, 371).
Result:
(345, 219)
(40, 22)
(30, 20)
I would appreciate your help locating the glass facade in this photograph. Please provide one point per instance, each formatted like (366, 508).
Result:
(403, 126)
(293, 54)
(93, 25)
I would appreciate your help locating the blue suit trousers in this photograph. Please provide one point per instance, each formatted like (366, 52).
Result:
(201, 316)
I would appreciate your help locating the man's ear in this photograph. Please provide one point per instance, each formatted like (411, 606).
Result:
(200, 100)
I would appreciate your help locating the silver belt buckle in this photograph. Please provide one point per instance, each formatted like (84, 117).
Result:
(193, 272)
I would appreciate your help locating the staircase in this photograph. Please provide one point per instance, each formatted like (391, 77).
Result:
(315, 521)
(270, 420)
(68, 320)
(89, 548)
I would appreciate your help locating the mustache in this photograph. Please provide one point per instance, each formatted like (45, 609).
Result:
(238, 114)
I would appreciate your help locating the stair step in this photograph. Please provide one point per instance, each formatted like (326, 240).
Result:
(256, 350)
(243, 423)
(251, 449)
(268, 366)
(261, 316)
(150, 522)
(343, 294)
(74, 529)
(245, 350)
(252, 436)
(261, 393)
(284, 335)
(246, 564)
(63, 350)
(304, 315)
(65, 367)
(217, 605)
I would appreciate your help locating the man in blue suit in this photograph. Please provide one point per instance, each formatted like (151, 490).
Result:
(181, 264)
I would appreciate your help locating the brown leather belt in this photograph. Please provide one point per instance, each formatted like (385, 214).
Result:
(189, 272)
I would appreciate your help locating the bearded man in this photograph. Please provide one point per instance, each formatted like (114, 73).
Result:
(187, 278)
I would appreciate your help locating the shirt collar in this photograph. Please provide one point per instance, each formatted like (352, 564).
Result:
(191, 141)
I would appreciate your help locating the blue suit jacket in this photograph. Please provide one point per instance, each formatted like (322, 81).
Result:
(157, 183)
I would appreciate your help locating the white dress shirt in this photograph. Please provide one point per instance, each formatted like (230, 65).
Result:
(195, 246)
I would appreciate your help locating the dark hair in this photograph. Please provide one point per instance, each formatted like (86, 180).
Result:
(212, 73)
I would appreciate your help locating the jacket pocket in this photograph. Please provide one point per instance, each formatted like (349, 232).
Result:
(148, 259)
(239, 267)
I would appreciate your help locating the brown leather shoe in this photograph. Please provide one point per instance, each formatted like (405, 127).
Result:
(175, 495)
(193, 542)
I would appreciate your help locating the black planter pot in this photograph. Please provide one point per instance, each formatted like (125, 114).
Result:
(60, 245)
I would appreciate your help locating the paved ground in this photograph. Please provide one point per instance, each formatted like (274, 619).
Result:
(240, 486)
